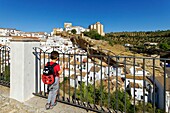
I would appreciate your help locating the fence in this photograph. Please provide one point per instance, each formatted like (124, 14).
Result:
(5, 66)
(104, 83)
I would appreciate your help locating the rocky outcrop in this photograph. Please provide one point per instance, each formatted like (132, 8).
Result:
(118, 52)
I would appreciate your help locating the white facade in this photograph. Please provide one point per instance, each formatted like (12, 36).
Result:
(67, 25)
(139, 94)
(77, 28)
(41, 35)
(5, 40)
(56, 30)
(159, 81)
(139, 90)
(63, 45)
(9, 32)
(138, 71)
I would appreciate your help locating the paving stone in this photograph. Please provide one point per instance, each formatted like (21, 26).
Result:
(33, 105)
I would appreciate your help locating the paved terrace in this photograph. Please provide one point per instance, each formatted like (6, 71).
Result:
(33, 105)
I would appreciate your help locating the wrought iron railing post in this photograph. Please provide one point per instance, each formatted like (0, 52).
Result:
(101, 85)
(165, 86)
(134, 77)
(117, 65)
(69, 77)
(94, 73)
(125, 82)
(87, 101)
(108, 81)
(154, 85)
(64, 78)
(144, 85)
(81, 78)
(36, 72)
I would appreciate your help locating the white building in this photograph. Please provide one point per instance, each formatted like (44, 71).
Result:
(5, 40)
(41, 35)
(139, 87)
(160, 93)
(98, 27)
(78, 29)
(138, 91)
(9, 32)
(67, 25)
(56, 31)
(138, 71)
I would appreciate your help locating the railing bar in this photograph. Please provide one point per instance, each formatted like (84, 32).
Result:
(164, 85)
(134, 73)
(5, 64)
(36, 72)
(58, 92)
(69, 76)
(63, 77)
(87, 81)
(144, 85)
(81, 79)
(101, 84)
(39, 70)
(154, 85)
(125, 81)
(117, 65)
(108, 82)
(94, 74)
(75, 77)
(144, 57)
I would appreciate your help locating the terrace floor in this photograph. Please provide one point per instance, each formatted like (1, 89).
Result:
(33, 105)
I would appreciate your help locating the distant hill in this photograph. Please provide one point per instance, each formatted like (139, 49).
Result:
(138, 38)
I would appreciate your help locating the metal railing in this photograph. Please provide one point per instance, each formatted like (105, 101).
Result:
(103, 83)
(5, 66)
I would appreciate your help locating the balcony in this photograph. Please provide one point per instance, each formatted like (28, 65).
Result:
(103, 83)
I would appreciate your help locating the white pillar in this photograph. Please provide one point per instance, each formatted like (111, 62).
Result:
(22, 69)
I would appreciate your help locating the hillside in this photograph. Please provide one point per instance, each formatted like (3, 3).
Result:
(101, 47)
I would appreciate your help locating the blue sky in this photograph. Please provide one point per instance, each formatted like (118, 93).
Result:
(115, 15)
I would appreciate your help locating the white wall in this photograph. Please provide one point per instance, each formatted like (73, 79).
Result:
(22, 69)
(168, 101)
(139, 94)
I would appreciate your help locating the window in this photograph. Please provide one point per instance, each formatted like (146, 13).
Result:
(90, 78)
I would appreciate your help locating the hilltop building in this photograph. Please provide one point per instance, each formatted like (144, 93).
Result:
(68, 28)
(67, 25)
(98, 27)
(57, 31)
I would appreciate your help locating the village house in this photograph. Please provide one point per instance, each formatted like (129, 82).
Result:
(138, 71)
(9, 32)
(159, 81)
(136, 83)
(5, 40)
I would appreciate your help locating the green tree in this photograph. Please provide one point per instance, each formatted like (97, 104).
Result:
(94, 35)
(7, 73)
(73, 31)
(121, 101)
(164, 46)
